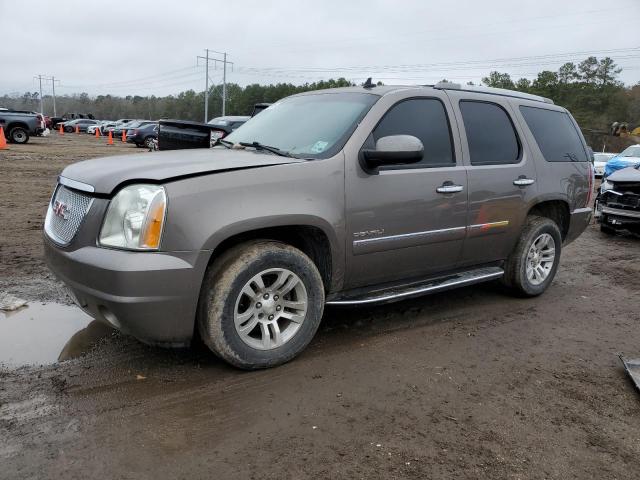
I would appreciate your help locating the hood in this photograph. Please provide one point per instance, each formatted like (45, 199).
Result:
(629, 174)
(106, 174)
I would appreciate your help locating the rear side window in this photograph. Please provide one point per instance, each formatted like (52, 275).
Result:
(555, 134)
(490, 134)
(426, 119)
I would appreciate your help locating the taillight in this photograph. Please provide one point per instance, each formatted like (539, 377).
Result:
(591, 182)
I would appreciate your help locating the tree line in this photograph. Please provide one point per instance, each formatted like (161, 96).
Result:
(589, 89)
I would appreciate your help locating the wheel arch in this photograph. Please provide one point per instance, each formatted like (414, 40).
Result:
(313, 240)
(555, 209)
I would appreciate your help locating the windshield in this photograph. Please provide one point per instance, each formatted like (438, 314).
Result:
(315, 125)
(632, 151)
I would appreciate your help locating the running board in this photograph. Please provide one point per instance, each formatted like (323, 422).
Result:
(416, 289)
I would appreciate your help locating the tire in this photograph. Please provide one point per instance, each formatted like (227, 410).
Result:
(69, 129)
(224, 302)
(148, 142)
(19, 135)
(518, 266)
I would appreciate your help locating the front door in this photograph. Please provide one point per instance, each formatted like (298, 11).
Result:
(406, 221)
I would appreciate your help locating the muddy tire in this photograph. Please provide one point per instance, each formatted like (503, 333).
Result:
(533, 263)
(18, 135)
(260, 305)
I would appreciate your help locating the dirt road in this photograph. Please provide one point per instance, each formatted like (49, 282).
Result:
(470, 383)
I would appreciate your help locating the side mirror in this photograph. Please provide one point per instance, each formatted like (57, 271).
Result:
(394, 150)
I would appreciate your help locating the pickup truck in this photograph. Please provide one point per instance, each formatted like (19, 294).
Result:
(18, 125)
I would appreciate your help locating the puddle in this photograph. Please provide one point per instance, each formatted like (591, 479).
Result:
(40, 334)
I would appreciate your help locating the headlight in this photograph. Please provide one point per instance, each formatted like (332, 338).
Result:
(605, 186)
(135, 218)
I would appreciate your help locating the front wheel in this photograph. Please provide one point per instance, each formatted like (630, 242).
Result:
(530, 268)
(261, 304)
(148, 142)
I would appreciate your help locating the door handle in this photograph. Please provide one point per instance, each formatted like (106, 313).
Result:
(523, 181)
(448, 187)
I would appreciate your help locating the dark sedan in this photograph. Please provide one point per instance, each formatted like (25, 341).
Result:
(81, 123)
(144, 135)
(117, 131)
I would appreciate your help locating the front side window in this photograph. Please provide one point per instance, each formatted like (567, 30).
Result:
(555, 134)
(490, 134)
(311, 126)
(426, 119)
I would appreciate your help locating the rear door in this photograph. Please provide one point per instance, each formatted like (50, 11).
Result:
(501, 175)
(401, 223)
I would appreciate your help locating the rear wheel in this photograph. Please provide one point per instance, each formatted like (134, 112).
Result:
(532, 265)
(261, 304)
(19, 135)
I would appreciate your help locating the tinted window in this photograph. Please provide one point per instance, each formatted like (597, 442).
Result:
(490, 134)
(425, 119)
(555, 134)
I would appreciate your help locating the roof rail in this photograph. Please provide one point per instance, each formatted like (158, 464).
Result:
(492, 91)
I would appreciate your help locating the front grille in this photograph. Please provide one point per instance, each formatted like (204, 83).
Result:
(65, 214)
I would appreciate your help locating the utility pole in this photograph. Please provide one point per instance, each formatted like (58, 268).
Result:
(53, 81)
(53, 87)
(40, 77)
(224, 84)
(215, 61)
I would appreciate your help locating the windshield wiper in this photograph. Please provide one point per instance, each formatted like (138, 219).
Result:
(268, 148)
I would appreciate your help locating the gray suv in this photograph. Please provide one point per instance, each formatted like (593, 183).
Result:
(336, 197)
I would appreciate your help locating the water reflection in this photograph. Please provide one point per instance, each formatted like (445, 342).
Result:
(45, 333)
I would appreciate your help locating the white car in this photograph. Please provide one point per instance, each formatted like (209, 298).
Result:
(600, 161)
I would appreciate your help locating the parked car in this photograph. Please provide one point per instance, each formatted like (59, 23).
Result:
(600, 162)
(350, 196)
(117, 130)
(183, 134)
(226, 125)
(81, 123)
(618, 204)
(143, 136)
(259, 107)
(18, 125)
(629, 157)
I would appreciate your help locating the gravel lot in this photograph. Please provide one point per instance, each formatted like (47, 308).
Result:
(469, 383)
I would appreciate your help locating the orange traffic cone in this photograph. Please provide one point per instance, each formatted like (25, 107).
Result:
(78, 129)
(61, 130)
(3, 141)
(110, 142)
(124, 136)
(97, 133)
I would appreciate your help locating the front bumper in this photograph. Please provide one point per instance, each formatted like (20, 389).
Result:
(152, 296)
(618, 218)
(578, 221)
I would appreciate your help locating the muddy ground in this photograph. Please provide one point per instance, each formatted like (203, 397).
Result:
(469, 383)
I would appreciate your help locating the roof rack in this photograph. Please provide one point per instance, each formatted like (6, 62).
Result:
(492, 91)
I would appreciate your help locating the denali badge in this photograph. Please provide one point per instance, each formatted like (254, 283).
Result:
(61, 210)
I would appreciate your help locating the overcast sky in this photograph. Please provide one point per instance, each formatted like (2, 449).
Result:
(150, 47)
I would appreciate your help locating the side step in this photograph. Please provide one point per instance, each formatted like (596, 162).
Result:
(400, 292)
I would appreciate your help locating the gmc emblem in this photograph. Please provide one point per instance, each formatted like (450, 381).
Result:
(61, 210)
